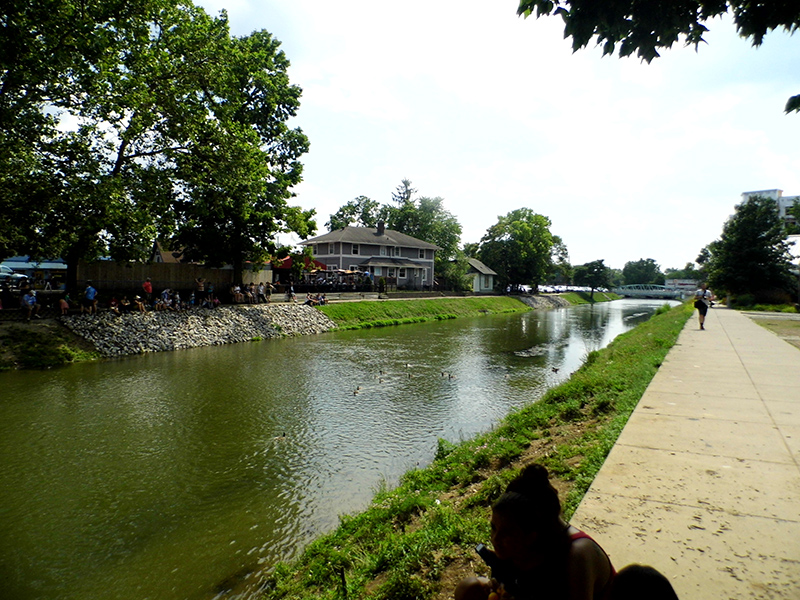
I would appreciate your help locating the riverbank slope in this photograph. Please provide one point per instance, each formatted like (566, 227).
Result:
(417, 540)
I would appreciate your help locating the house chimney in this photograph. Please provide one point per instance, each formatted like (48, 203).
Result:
(381, 225)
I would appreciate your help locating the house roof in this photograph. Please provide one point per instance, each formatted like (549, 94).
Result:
(388, 261)
(481, 268)
(368, 235)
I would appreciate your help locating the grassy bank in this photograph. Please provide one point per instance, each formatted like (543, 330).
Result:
(587, 298)
(365, 314)
(416, 540)
(41, 345)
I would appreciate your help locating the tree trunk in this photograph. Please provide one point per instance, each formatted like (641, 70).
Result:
(72, 257)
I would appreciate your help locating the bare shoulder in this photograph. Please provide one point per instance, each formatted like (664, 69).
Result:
(590, 569)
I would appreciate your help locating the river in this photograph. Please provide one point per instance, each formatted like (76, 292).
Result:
(177, 475)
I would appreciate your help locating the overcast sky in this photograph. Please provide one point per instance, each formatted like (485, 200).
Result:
(493, 112)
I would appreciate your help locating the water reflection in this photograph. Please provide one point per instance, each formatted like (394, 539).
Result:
(161, 476)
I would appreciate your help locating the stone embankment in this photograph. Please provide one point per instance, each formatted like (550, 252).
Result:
(544, 301)
(136, 333)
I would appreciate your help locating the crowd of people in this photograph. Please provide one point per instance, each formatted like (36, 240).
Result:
(315, 299)
(170, 299)
(252, 293)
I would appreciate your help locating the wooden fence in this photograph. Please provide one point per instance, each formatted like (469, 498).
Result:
(110, 275)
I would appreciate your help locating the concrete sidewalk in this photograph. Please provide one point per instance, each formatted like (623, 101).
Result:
(704, 481)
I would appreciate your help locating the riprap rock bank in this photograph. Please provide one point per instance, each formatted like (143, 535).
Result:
(136, 333)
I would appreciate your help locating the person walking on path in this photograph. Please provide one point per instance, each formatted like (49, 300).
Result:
(702, 301)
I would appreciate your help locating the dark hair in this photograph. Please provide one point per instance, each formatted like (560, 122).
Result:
(532, 502)
(641, 581)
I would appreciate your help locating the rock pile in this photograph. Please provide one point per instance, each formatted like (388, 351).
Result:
(544, 301)
(136, 333)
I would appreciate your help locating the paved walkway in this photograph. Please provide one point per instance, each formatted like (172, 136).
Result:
(704, 481)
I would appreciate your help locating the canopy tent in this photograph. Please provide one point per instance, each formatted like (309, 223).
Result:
(286, 263)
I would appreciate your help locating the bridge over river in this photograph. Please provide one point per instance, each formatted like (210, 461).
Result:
(647, 290)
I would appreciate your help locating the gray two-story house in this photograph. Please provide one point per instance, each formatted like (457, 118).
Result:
(400, 258)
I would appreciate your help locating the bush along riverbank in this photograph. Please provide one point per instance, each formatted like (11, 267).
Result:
(417, 540)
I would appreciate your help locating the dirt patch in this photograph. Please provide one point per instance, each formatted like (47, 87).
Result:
(48, 331)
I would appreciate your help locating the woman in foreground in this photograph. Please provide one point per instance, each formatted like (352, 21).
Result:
(536, 554)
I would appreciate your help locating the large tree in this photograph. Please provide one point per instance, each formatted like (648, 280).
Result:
(68, 72)
(519, 248)
(644, 270)
(646, 26)
(752, 255)
(235, 185)
(113, 112)
(594, 275)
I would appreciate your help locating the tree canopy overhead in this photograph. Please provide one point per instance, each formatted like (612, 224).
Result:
(644, 27)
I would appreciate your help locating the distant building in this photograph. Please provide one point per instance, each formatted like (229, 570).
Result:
(685, 286)
(482, 276)
(783, 202)
(381, 252)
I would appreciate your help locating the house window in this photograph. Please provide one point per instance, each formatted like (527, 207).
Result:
(378, 271)
(315, 249)
(332, 267)
(401, 273)
(352, 268)
(355, 249)
(424, 274)
(391, 272)
(331, 249)
(383, 250)
(486, 281)
(422, 252)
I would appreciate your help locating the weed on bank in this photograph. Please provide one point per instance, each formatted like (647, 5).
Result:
(405, 544)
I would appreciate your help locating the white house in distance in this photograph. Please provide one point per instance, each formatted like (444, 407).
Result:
(400, 258)
(482, 276)
(783, 202)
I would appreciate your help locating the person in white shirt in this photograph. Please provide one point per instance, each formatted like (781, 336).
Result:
(702, 301)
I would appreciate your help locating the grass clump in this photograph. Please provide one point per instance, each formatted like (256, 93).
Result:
(366, 314)
(54, 346)
(415, 537)
(587, 298)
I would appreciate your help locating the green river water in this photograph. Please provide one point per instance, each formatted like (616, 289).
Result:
(182, 475)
